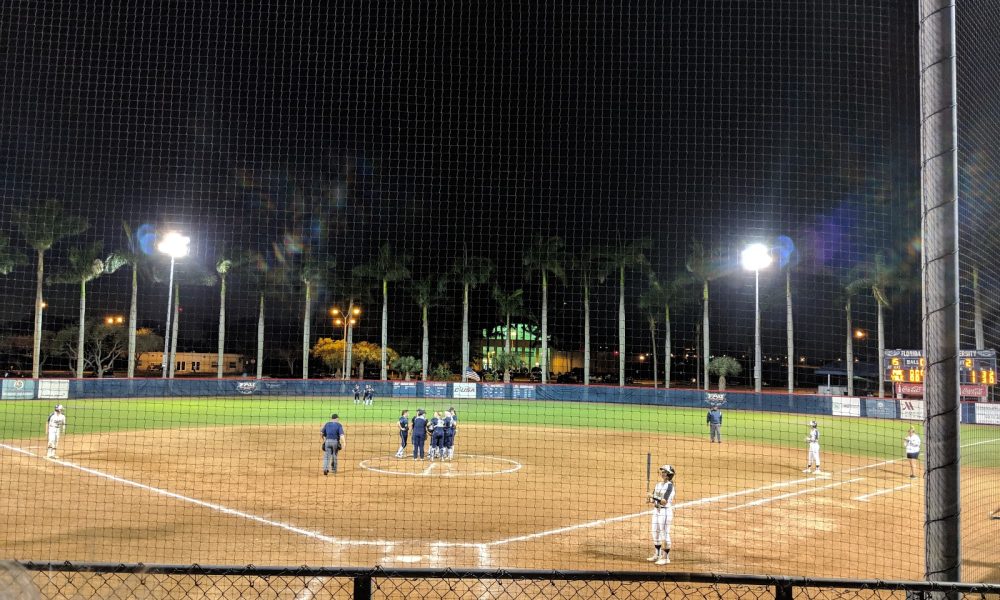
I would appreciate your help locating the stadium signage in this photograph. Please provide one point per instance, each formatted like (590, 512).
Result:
(463, 390)
(715, 398)
(846, 407)
(917, 389)
(246, 387)
(18, 389)
(54, 389)
(988, 414)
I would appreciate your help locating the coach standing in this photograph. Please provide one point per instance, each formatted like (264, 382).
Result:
(714, 421)
(333, 442)
(419, 436)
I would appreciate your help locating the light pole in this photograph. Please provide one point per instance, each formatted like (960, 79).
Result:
(351, 321)
(754, 258)
(174, 245)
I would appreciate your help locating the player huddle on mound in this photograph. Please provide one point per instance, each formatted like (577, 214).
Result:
(440, 428)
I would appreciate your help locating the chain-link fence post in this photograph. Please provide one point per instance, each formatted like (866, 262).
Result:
(363, 587)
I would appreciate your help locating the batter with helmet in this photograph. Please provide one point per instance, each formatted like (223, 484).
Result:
(662, 500)
(55, 426)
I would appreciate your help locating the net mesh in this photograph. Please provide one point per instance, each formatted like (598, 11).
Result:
(376, 194)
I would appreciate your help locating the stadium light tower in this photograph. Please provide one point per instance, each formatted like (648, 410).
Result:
(174, 245)
(754, 258)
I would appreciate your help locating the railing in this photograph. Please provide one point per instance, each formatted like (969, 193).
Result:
(67, 581)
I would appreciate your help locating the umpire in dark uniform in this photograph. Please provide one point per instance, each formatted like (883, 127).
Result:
(714, 421)
(333, 442)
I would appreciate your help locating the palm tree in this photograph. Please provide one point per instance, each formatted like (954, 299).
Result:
(387, 266)
(545, 256)
(470, 271)
(650, 302)
(133, 256)
(425, 292)
(355, 291)
(41, 227)
(9, 259)
(617, 260)
(724, 366)
(703, 268)
(186, 273)
(229, 262)
(312, 272)
(854, 286)
(508, 303)
(85, 265)
(267, 281)
(977, 310)
(586, 267)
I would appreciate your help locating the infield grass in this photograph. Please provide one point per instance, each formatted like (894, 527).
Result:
(877, 438)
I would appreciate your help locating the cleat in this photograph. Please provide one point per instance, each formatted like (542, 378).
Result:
(653, 558)
(325, 473)
(663, 561)
(807, 470)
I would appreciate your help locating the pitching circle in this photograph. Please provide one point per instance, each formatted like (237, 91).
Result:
(469, 465)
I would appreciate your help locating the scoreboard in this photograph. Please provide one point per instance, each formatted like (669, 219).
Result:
(975, 367)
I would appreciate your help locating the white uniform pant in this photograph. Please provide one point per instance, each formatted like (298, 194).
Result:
(663, 518)
(53, 441)
(814, 454)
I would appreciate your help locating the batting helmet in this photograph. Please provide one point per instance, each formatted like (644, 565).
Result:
(59, 407)
(668, 469)
(812, 424)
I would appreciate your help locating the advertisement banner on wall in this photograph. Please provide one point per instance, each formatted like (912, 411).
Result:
(56, 389)
(404, 389)
(18, 389)
(988, 414)
(463, 390)
(523, 392)
(435, 390)
(911, 410)
(880, 409)
(846, 406)
(494, 390)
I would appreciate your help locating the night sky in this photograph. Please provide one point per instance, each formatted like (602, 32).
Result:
(296, 129)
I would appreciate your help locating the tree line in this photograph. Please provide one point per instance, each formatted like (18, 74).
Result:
(545, 261)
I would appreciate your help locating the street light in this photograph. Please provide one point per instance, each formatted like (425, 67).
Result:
(754, 258)
(174, 245)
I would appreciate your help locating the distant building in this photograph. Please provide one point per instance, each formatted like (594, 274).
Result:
(192, 363)
(525, 341)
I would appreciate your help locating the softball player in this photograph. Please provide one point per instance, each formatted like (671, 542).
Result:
(55, 426)
(404, 430)
(437, 436)
(912, 444)
(449, 435)
(813, 440)
(419, 434)
(357, 393)
(662, 500)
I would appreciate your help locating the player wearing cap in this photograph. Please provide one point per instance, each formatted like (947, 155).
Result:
(55, 426)
(813, 440)
(419, 434)
(662, 500)
(333, 443)
(404, 430)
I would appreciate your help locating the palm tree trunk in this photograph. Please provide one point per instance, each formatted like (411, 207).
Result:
(133, 314)
(656, 366)
(465, 333)
(222, 326)
(306, 318)
(621, 327)
(545, 327)
(850, 350)
(81, 330)
(260, 338)
(173, 334)
(383, 375)
(977, 310)
(361, 369)
(666, 349)
(881, 348)
(586, 334)
(789, 325)
(506, 348)
(425, 346)
(704, 331)
(36, 350)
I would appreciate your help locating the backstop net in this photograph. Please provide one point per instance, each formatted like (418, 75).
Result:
(618, 286)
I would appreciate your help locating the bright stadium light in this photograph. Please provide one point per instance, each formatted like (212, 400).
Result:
(754, 258)
(175, 245)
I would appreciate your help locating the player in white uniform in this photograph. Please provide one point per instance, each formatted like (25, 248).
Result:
(662, 500)
(55, 426)
(813, 440)
(912, 444)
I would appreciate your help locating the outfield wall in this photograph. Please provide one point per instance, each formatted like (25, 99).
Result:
(887, 408)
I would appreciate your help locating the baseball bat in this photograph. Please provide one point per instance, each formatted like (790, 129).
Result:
(649, 469)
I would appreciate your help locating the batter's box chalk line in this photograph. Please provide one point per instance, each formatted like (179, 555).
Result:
(465, 465)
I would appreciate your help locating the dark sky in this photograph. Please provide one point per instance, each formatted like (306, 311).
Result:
(331, 128)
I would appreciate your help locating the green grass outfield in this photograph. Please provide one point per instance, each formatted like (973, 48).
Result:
(877, 438)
